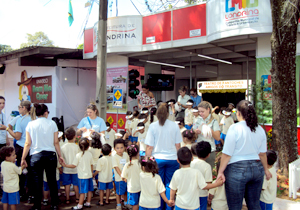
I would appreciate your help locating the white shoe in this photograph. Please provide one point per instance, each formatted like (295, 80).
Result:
(97, 192)
(72, 193)
(128, 206)
(119, 208)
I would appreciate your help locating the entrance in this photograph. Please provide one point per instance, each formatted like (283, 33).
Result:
(222, 99)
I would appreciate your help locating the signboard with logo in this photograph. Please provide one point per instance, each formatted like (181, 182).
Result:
(225, 84)
(117, 98)
(228, 18)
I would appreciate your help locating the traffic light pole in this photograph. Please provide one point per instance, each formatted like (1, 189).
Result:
(101, 100)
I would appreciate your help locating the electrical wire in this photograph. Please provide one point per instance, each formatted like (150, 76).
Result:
(135, 7)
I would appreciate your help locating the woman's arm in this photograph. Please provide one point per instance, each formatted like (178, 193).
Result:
(263, 159)
(57, 147)
(177, 146)
(149, 150)
(215, 134)
(26, 149)
(16, 135)
(224, 162)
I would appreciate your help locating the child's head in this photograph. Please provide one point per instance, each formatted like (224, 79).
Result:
(96, 142)
(129, 115)
(84, 144)
(140, 127)
(143, 118)
(271, 157)
(119, 145)
(8, 154)
(149, 165)
(193, 149)
(108, 128)
(217, 110)
(203, 149)
(195, 111)
(189, 136)
(184, 156)
(106, 149)
(136, 114)
(180, 121)
(60, 136)
(189, 103)
(221, 110)
(133, 151)
(152, 113)
(127, 143)
(227, 112)
(145, 111)
(70, 133)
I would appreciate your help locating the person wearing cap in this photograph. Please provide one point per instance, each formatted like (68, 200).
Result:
(110, 135)
(196, 118)
(233, 114)
(141, 137)
(226, 122)
(188, 116)
(129, 118)
(182, 99)
(60, 139)
(180, 122)
(172, 111)
(145, 111)
(195, 97)
(146, 98)
(133, 125)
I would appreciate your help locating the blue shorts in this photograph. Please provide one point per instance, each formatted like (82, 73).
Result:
(46, 186)
(130, 138)
(85, 185)
(11, 198)
(134, 139)
(188, 127)
(133, 198)
(217, 142)
(142, 153)
(177, 208)
(105, 186)
(121, 187)
(223, 136)
(143, 208)
(203, 203)
(70, 179)
(96, 177)
(265, 206)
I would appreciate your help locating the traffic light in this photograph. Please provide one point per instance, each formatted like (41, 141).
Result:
(133, 82)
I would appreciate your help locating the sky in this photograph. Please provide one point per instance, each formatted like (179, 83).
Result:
(19, 17)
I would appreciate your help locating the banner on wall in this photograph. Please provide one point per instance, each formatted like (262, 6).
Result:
(116, 78)
(228, 18)
(35, 89)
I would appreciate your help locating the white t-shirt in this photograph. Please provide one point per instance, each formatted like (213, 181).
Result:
(171, 114)
(104, 166)
(84, 163)
(3, 133)
(183, 99)
(187, 196)
(163, 140)
(181, 130)
(228, 121)
(141, 139)
(269, 188)
(119, 161)
(127, 124)
(68, 152)
(96, 155)
(205, 170)
(41, 132)
(147, 124)
(132, 174)
(219, 202)
(242, 144)
(188, 117)
(110, 137)
(133, 126)
(151, 188)
(217, 117)
(10, 174)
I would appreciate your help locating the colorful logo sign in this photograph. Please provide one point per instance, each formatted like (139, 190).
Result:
(240, 12)
(242, 4)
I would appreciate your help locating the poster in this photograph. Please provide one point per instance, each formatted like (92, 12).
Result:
(116, 78)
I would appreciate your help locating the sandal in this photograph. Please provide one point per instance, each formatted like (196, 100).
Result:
(100, 204)
(67, 201)
(107, 203)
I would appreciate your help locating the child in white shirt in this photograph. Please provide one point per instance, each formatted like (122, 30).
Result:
(131, 175)
(172, 111)
(84, 163)
(129, 118)
(188, 117)
(180, 123)
(104, 172)
(203, 150)
(68, 152)
(110, 134)
(119, 159)
(152, 187)
(141, 138)
(269, 188)
(133, 126)
(189, 138)
(153, 117)
(196, 118)
(226, 122)
(10, 174)
(95, 150)
(187, 181)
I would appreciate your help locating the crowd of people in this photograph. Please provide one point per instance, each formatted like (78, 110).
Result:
(163, 160)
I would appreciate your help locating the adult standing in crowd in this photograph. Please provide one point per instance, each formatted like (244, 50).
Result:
(182, 99)
(233, 114)
(163, 140)
(42, 141)
(146, 98)
(92, 121)
(244, 160)
(205, 111)
(195, 97)
(20, 136)
(3, 135)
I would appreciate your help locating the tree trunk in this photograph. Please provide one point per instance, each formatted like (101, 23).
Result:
(285, 15)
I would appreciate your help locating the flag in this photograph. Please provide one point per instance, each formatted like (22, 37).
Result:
(70, 13)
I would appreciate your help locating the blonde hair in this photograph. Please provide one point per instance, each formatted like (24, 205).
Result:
(162, 113)
(207, 105)
(183, 88)
(30, 109)
(93, 107)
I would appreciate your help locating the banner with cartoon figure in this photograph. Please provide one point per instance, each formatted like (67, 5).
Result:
(36, 90)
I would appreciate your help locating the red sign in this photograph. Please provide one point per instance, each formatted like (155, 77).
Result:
(189, 22)
(157, 28)
(88, 40)
(115, 122)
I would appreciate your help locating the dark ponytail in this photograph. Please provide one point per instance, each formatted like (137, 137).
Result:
(248, 112)
(132, 151)
(152, 113)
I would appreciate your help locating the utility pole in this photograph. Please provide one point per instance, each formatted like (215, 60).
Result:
(101, 100)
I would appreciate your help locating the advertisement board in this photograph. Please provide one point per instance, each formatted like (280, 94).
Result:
(228, 18)
(225, 84)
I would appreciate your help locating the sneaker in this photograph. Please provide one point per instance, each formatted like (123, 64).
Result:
(72, 193)
(76, 207)
(128, 206)
(87, 205)
(97, 192)
(45, 203)
(30, 200)
(119, 208)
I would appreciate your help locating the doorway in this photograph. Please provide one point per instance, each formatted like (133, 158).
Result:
(222, 99)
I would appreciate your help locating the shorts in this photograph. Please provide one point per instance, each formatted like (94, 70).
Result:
(217, 142)
(142, 153)
(177, 208)
(143, 208)
(134, 139)
(11, 198)
(46, 186)
(133, 198)
(188, 127)
(203, 203)
(85, 185)
(130, 138)
(96, 177)
(265, 206)
(223, 136)
(105, 186)
(70, 179)
(121, 187)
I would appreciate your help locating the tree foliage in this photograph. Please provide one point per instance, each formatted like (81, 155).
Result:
(37, 39)
(5, 48)
(80, 46)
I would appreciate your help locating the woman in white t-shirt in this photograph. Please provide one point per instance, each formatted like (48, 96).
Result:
(244, 161)
(42, 141)
(182, 99)
(163, 140)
